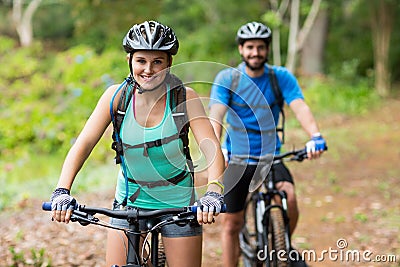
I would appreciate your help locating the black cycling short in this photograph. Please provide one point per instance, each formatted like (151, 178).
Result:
(237, 179)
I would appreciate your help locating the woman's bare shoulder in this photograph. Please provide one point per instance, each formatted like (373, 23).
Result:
(191, 93)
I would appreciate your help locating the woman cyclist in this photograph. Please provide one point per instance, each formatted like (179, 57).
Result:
(150, 47)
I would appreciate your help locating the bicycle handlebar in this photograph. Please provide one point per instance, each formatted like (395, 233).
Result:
(131, 213)
(298, 155)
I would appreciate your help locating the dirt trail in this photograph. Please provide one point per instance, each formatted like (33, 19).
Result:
(349, 198)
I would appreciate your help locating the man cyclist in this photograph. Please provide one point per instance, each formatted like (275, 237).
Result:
(251, 110)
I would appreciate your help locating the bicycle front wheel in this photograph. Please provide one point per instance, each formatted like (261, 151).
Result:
(277, 239)
(250, 237)
(162, 259)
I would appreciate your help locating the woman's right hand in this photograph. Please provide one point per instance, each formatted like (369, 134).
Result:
(62, 205)
(210, 206)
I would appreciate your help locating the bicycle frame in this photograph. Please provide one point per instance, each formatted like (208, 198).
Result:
(268, 210)
(262, 203)
(85, 216)
(271, 203)
(133, 237)
(132, 258)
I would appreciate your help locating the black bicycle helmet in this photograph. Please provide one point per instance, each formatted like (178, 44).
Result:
(151, 35)
(253, 30)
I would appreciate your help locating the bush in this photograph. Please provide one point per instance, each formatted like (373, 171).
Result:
(46, 104)
(349, 95)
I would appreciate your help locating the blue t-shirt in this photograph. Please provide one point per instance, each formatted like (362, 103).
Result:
(250, 117)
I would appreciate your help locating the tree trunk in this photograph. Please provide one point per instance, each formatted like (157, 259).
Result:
(297, 38)
(312, 54)
(293, 30)
(280, 10)
(276, 47)
(382, 27)
(23, 20)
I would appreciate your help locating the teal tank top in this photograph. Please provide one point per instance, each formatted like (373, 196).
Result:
(162, 163)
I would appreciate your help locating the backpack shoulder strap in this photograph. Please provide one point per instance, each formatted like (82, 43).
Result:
(179, 112)
(278, 100)
(235, 80)
(178, 104)
(181, 119)
(118, 117)
(275, 87)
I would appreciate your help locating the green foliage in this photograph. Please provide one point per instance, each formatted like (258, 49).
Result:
(47, 23)
(345, 43)
(37, 259)
(45, 107)
(17, 257)
(220, 48)
(346, 93)
(271, 19)
(207, 29)
(103, 24)
(361, 217)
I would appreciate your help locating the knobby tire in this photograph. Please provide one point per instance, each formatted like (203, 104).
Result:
(162, 259)
(248, 237)
(276, 239)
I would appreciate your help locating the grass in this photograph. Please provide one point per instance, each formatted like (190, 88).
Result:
(38, 176)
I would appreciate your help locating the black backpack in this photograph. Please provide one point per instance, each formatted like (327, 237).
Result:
(179, 113)
(275, 88)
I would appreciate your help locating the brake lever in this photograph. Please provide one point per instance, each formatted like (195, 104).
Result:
(184, 218)
(300, 156)
(83, 218)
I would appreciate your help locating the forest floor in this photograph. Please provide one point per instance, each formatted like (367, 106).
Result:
(349, 202)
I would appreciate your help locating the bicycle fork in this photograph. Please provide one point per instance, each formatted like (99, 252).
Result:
(263, 207)
(133, 259)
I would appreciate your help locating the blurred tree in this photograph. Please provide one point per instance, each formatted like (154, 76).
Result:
(102, 23)
(381, 14)
(22, 19)
(312, 54)
(299, 12)
(207, 29)
(274, 18)
(298, 36)
(54, 22)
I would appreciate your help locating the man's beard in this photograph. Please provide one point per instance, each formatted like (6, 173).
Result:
(255, 68)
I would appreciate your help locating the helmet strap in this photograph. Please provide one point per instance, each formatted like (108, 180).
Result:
(137, 86)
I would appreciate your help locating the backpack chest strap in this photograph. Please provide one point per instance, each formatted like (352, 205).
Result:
(150, 144)
(173, 181)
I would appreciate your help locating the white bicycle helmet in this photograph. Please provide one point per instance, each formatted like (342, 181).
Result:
(151, 35)
(253, 30)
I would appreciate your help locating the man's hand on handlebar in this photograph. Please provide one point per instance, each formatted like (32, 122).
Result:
(62, 205)
(316, 146)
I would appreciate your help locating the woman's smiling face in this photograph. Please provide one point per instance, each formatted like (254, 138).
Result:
(149, 68)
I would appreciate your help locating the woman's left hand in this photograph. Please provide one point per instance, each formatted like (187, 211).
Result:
(209, 206)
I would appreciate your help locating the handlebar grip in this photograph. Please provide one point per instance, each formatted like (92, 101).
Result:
(193, 209)
(46, 206)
